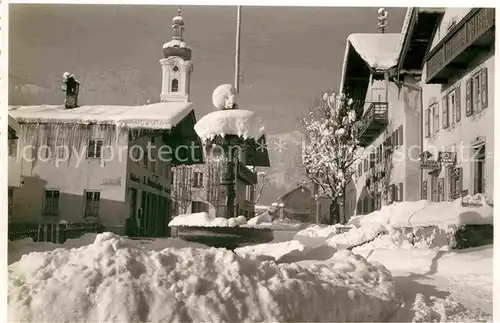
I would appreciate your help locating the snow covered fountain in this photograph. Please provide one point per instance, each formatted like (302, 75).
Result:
(234, 139)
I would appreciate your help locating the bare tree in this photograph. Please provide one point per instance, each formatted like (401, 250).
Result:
(182, 192)
(214, 196)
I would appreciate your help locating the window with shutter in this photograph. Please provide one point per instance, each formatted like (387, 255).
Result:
(372, 160)
(365, 164)
(445, 112)
(435, 110)
(394, 140)
(458, 106)
(427, 125)
(468, 98)
(484, 88)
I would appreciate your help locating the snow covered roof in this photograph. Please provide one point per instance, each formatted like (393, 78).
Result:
(13, 124)
(163, 115)
(411, 19)
(244, 123)
(379, 51)
(175, 43)
(301, 187)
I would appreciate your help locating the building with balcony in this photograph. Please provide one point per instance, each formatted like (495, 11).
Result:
(197, 187)
(107, 164)
(389, 103)
(458, 102)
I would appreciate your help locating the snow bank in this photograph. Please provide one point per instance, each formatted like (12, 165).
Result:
(323, 231)
(274, 251)
(425, 213)
(445, 310)
(379, 51)
(259, 219)
(244, 123)
(16, 249)
(162, 115)
(356, 236)
(203, 219)
(115, 281)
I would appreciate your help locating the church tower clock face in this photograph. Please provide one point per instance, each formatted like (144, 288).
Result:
(175, 69)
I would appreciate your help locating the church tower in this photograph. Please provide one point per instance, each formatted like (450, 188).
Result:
(176, 66)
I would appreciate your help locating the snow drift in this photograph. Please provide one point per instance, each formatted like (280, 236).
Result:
(114, 280)
(203, 219)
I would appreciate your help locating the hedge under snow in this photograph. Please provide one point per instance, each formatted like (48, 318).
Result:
(113, 280)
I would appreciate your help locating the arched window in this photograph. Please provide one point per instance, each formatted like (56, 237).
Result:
(175, 85)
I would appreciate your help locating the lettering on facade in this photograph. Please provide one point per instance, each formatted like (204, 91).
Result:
(149, 182)
(112, 181)
(430, 164)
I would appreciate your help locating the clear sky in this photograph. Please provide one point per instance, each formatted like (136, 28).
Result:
(288, 54)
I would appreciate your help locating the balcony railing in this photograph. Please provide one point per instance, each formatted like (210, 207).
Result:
(475, 32)
(372, 123)
(246, 174)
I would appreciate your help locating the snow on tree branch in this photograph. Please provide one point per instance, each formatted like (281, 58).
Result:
(330, 147)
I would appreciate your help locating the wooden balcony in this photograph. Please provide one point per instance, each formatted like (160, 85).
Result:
(475, 33)
(372, 123)
(246, 175)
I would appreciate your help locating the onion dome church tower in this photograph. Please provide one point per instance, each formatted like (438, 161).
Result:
(176, 65)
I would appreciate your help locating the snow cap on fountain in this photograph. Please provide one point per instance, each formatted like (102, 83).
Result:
(225, 97)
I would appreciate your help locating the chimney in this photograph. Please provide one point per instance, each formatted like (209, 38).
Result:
(71, 87)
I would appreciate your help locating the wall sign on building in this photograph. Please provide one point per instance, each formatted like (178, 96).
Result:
(447, 157)
(430, 164)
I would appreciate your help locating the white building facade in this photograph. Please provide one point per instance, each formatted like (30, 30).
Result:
(458, 83)
(107, 164)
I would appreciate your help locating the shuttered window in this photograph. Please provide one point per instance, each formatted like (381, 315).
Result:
(476, 96)
(458, 106)
(427, 123)
(468, 98)
(435, 112)
(446, 108)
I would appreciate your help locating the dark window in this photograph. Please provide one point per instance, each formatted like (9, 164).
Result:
(479, 169)
(94, 148)
(92, 202)
(197, 207)
(197, 179)
(428, 122)
(447, 101)
(51, 202)
(13, 147)
(175, 85)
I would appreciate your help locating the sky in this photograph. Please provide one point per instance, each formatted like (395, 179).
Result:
(289, 55)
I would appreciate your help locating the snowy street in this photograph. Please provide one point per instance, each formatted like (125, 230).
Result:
(386, 279)
(326, 164)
